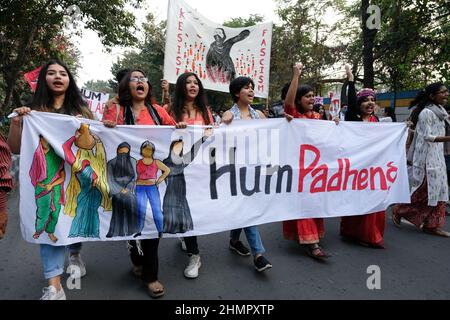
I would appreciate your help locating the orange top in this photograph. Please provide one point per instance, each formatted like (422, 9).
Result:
(144, 117)
(292, 110)
(198, 120)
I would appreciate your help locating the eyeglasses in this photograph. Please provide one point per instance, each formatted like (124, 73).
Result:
(138, 79)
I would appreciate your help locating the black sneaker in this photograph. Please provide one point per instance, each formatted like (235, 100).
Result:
(262, 264)
(239, 248)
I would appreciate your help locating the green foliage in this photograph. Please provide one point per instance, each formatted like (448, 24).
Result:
(99, 86)
(244, 22)
(149, 56)
(412, 47)
(302, 36)
(31, 32)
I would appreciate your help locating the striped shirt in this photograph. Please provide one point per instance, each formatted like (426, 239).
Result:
(6, 182)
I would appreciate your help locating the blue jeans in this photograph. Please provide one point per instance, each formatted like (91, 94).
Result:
(52, 258)
(152, 194)
(253, 238)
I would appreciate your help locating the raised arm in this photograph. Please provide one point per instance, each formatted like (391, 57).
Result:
(165, 91)
(289, 102)
(352, 109)
(241, 36)
(189, 157)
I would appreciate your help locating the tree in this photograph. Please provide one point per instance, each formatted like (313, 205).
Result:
(27, 23)
(411, 48)
(368, 35)
(244, 22)
(149, 55)
(99, 86)
(58, 47)
(303, 36)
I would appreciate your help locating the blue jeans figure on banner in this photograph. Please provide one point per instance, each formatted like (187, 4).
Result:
(152, 194)
(147, 187)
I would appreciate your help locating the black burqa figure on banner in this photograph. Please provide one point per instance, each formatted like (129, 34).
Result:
(121, 179)
(177, 215)
(219, 64)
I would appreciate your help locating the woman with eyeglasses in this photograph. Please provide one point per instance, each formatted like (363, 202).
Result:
(429, 189)
(136, 107)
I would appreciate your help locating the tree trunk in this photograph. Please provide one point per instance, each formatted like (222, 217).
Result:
(368, 44)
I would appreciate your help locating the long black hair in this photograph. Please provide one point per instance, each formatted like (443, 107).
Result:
(126, 100)
(316, 108)
(302, 90)
(43, 99)
(423, 99)
(200, 102)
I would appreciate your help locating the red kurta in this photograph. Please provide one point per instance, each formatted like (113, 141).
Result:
(306, 231)
(368, 228)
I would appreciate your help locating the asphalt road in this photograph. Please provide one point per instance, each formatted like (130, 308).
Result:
(414, 266)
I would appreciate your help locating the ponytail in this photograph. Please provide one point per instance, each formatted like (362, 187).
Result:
(422, 100)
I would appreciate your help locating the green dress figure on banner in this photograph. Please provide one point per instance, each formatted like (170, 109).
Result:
(88, 188)
(47, 176)
(86, 222)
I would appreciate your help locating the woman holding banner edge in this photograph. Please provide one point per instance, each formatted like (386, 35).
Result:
(299, 103)
(137, 108)
(242, 93)
(189, 107)
(56, 92)
(368, 229)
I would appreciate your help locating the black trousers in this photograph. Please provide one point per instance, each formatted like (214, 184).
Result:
(149, 259)
(191, 245)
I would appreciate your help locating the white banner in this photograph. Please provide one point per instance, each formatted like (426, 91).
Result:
(96, 101)
(214, 52)
(80, 181)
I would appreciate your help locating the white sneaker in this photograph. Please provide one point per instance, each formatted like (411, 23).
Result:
(77, 267)
(191, 270)
(50, 293)
(183, 244)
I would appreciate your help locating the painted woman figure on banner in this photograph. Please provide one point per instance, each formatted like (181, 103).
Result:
(47, 176)
(219, 64)
(147, 186)
(177, 215)
(88, 187)
(121, 180)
